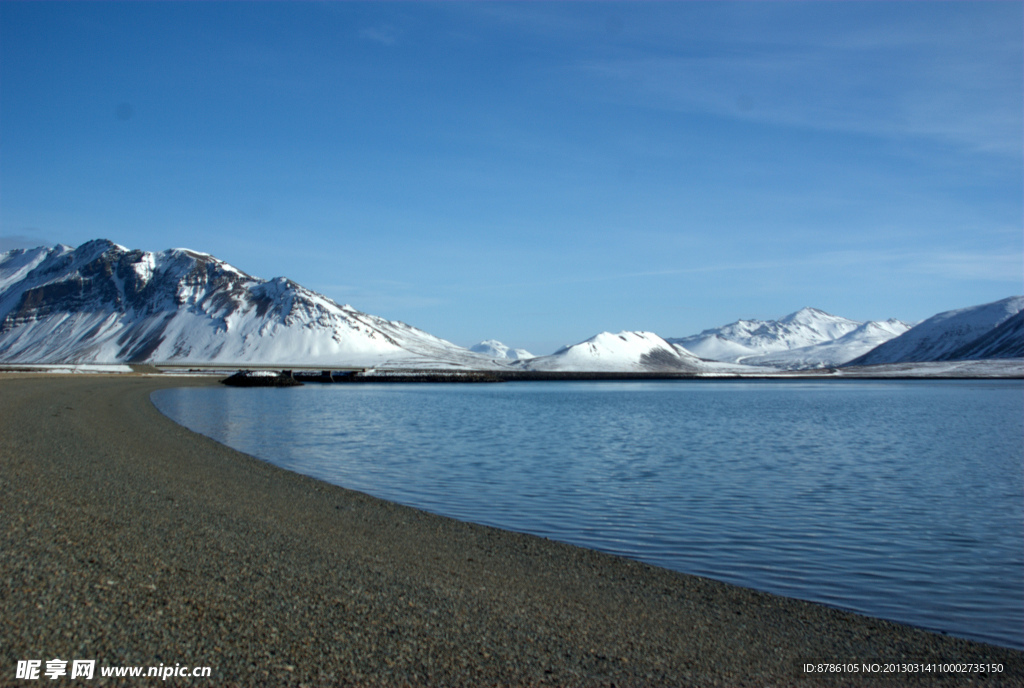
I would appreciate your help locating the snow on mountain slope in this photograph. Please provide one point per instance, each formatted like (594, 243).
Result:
(715, 347)
(102, 303)
(15, 265)
(625, 351)
(941, 335)
(836, 352)
(743, 339)
(492, 348)
(1005, 340)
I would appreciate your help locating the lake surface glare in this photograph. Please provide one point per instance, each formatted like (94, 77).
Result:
(897, 499)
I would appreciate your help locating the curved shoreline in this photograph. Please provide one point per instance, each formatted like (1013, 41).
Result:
(131, 540)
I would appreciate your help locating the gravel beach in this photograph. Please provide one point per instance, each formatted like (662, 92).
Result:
(130, 540)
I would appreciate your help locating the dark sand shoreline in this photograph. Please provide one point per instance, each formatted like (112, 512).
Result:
(128, 539)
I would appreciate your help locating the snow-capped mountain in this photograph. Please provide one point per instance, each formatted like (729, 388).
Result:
(941, 336)
(836, 352)
(104, 303)
(625, 351)
(492, 348)
(1005, 340)
(808, 338)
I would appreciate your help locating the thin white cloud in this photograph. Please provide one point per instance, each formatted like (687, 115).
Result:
(382, 297)
(385, 34)
(954, 77)
(10, 242)
(951, 264)
(995, 266)
(825, 90)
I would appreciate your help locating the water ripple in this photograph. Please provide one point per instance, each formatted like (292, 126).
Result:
(896, 499)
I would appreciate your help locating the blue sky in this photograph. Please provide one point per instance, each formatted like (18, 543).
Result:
(534, 172)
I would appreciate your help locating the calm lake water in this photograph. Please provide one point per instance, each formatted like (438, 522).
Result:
(896, 499)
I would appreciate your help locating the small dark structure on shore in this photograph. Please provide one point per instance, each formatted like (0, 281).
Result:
(261, 378)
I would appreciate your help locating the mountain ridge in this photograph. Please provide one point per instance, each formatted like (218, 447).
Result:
(807, 338)
(630, 351)
(105, 303)
(943, 334)
(492, 348)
